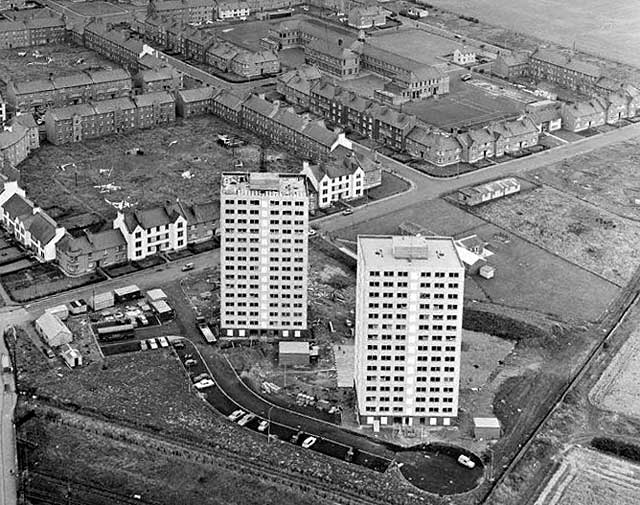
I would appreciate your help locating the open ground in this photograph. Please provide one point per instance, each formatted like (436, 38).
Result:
(95, 8)
(182, 161)
(605, 28)
(618, 388)
(65, 59)
(587, 477)
(418, 45)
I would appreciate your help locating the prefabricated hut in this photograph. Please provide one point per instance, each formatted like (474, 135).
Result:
(153, 295)
(162, 310)
(101, 301)
(486, 428)
(52, 330)
(293, 353)
(61, 311)
(127, 293)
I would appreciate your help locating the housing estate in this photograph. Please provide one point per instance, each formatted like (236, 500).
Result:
(32, 32)
(566, 71)
(18, 140)
(85, 253)
(366, 16)
(296, 84)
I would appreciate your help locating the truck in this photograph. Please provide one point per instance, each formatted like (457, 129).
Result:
(205, 330)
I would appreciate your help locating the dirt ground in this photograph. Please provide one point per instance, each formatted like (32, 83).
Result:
(588, 477)
(618, 389)
(83, 339)
(179, 161)
(64, 61)
(606, 177)
(582, 233)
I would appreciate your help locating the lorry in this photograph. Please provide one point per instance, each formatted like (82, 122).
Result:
(205, 330)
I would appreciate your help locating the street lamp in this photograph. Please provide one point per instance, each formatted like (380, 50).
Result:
(269, 424)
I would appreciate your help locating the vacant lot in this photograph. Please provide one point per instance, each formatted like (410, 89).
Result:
(606, 177)
(418, 45)
(527, 276)
(587, 477)
(467, 104)
(606, 28)
(618, 388)
(65, 59)
(95, 8)
(577, 231)
(180, 161)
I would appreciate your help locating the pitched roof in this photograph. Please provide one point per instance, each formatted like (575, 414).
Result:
(331, 49)
(151, 217)
(101, 76)
(230, 100)
(318, 132)
(106, 106)
(197, 94)
(148, 99)
(325, 89)
(91, 242)
(17, 206)
(66, 113)
(200, 212)
(11, 135)
(260, 106)
(433, 139)
(288, 118)
(51, 325)
(515, 59)
(391, 116)
(42, 228)
(562, 60)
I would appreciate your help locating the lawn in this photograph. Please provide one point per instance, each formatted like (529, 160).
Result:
(417, 45)
(180, 161)
(587, 477)
(606, 177)
(579, 232)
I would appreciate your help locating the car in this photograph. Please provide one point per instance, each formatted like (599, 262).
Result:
(466, 461)
(201, 376)
(466, 77)
(143, 345)
(296, 437)
(236, 414)
(204, 383)
(312, 232)
(163, 342)
(308, 442)
(152, 343)
(263, 425)
(347, 212)
(187, 266)
(178, 345)
(143, 320)
(190, 362)
(245, 420)
(350, 454)
(348, 323)
(48, 352)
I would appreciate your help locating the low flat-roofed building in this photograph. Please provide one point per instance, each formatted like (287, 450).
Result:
(486, 428)
(294, 353)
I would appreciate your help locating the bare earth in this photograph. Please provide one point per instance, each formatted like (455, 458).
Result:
(617, 390)
(587, 477)
(605, 28)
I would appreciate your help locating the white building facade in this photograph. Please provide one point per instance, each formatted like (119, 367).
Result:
(409, 301)
(264, 254)
(334, 183)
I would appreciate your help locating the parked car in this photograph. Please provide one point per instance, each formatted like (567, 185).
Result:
(245, 420)
(263, 425)
(163, 342)
(347, 212)
(188, 266)
(350, 454)
(201, 376)
(204, 383)
(235, 415)
(48, 352)
(309, 441)
(190, 362)
(296, 437)
(143, 345)
(466, 461)
(466, 77)
(178, 344)
(153, 344)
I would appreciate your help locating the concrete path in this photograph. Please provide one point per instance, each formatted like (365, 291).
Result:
(8, 454)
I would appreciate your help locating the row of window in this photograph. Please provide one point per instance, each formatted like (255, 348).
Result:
(439, 275)
(437, 378)
(432, 410)
(272, 203)
(404, 306)
(256, 324)
(387, 336)
(423, 285)
(423, 296)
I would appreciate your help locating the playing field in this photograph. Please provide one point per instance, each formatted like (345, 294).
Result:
(607, 28)
(415, 44)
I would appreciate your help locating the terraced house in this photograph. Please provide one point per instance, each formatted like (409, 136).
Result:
(28, 224)
(333, 58)
(514, 136)
(61, 91)
(564, 70)
(187, 11)
(296, 84)
(86, 253)
(197, 101)
(158, 79)
(38, 31)
(115, 45)
(150, 231)
(436, 147)
(582, 115)
(18, 141)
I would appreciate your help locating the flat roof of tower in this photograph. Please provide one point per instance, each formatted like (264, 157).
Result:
(256, 183)
(380, 251)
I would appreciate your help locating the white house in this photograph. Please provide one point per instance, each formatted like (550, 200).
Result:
(150, 231)
(233, 10)
(464, 56)
(29, 225)
(333, 181)
(52, 330)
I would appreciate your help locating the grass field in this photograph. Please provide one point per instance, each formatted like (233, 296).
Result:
(95, 8)
(467, 104)
(577, 231)
(607, 28)
(180, 161)
(63, 62)
(418, 45)
(587, 477)
(606, 177)
(527, 276)
(617, 389)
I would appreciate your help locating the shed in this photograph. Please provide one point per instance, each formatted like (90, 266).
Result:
(52, 330)
(153, 295)
(293, 353)
(59, 310)
(162, 309)
(131, 292)
(101, 301)
(487, 271)
(487, 428)
(72, 357)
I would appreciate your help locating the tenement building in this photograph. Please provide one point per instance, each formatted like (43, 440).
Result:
(409, 297)
(264, 229)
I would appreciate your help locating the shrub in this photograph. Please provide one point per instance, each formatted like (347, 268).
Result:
(617, 448)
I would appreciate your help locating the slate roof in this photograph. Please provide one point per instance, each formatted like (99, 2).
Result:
(148, 99)
(318, 132)
(562, 60)
(230, 100)
(151, 217)
(17, 206)
(197, 94)
(42, 228)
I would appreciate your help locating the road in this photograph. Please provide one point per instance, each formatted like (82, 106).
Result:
(8, 456)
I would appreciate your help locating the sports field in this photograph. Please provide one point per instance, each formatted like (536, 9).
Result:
(415, 44)
(607, 28)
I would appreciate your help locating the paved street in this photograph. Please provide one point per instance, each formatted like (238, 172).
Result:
(8, 397)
